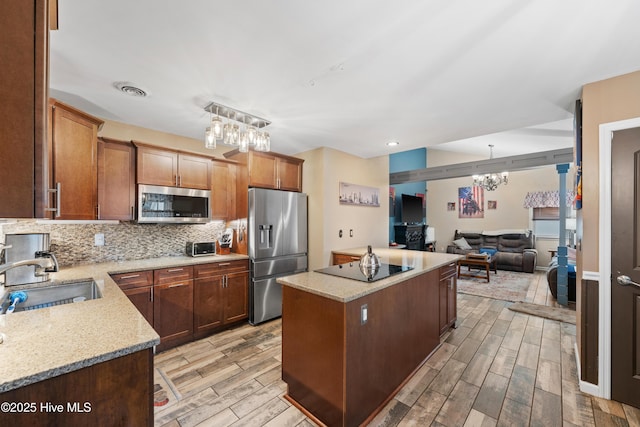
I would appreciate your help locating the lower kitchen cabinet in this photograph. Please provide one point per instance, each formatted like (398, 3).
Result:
(173, 306)
(221, 295)
(187, 303)
(448, 297)
(138, 286)
(116, 392)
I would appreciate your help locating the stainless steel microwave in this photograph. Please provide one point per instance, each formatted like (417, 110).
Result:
(158, 204)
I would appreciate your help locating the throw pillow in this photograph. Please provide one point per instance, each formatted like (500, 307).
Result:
(461, 243)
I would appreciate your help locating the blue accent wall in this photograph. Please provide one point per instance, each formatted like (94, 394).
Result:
(400, 162)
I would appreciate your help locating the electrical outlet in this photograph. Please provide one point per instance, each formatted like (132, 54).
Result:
(99, 239)
(364, 314)
(340, 234)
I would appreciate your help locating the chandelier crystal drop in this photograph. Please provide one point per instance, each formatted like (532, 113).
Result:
(491, 181)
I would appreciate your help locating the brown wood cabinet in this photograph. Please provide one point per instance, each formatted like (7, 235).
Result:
(118, 392)
(186, 303)
(138, 286)
(343, 259)
(221, 295)
(223, 190)
(343, 369)
(116, 179)
(270, 170)
(161, 166)
(23, 112)
(73, 142)
(173, 305)
(448, 297)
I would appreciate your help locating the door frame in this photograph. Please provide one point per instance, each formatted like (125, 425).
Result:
(604, 257)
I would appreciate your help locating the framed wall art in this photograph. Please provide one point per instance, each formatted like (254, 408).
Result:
(471, 202)
(359, 195)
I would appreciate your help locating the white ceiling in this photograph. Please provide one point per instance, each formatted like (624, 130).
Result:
(351, 75)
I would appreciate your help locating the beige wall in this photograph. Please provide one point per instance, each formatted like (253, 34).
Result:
(510, 214)
(605, 101)
(324, 169)
(125, 132)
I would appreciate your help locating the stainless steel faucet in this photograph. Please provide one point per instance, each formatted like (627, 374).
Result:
(41, 264)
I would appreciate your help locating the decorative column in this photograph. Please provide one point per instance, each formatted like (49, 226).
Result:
(563, 280)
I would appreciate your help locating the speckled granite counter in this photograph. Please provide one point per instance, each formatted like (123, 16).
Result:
(51, 341)
(346, 290)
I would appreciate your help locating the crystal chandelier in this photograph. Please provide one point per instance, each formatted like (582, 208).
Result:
(250, 134)
(491, 181)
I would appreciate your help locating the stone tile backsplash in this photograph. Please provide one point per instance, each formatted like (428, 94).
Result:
(73, 244)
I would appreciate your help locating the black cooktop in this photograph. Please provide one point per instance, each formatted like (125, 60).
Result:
(351, 270)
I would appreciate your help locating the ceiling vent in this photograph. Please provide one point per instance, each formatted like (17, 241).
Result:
(130, 89)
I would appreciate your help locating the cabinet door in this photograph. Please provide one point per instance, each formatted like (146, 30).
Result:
(156, 166)
(447, 297)
(173, 313)
(75, 163)
(207, 304)
(262, 170)
(221, 200)
(237, 297)
(289, 174)
(194, 172)
(142, 298)
(23, 111)
(116, 180)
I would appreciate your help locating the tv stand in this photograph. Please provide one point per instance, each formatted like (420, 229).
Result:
(411, 235)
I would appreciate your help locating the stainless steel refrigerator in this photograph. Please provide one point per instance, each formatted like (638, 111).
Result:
(277, 227)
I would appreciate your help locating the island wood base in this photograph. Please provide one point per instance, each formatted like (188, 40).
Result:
(117, 392)
(341, 371)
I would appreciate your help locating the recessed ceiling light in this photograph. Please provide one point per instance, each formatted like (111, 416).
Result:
(130, 89)
(392, 143)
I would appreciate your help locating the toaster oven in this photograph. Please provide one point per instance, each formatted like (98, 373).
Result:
(201, 248)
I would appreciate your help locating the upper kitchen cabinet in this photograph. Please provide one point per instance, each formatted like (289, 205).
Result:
(23, 111)
(73, 142)
(223, 194)
(271, 170)
(160, 166)
(116, 179)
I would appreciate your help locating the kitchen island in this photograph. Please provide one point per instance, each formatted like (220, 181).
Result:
(95, 357)
(348, 346)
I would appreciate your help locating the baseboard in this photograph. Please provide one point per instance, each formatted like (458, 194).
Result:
(585, 387)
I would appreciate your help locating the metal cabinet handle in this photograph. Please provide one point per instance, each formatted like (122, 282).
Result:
(177, 285)
(56, 190)
(626, 281)
(224, 264)
(152, 294)
(131, 276)
(173, 270)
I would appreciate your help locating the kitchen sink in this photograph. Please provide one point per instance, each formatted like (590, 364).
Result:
(49, 296)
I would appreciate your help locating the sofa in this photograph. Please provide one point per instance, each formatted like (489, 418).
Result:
(513, 249)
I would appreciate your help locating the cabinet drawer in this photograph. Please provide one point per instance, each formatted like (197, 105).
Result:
(447, 270)
(134, 279)
(343, 259)
(172, 274)
(222, 267)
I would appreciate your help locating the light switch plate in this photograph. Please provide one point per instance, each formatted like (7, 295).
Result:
(99, 239)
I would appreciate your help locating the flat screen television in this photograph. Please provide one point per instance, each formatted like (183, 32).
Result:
(412, 209)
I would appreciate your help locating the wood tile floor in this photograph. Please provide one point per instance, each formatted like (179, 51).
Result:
(497, 368)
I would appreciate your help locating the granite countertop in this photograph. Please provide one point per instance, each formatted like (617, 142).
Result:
(48, 342)
(345, 290)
